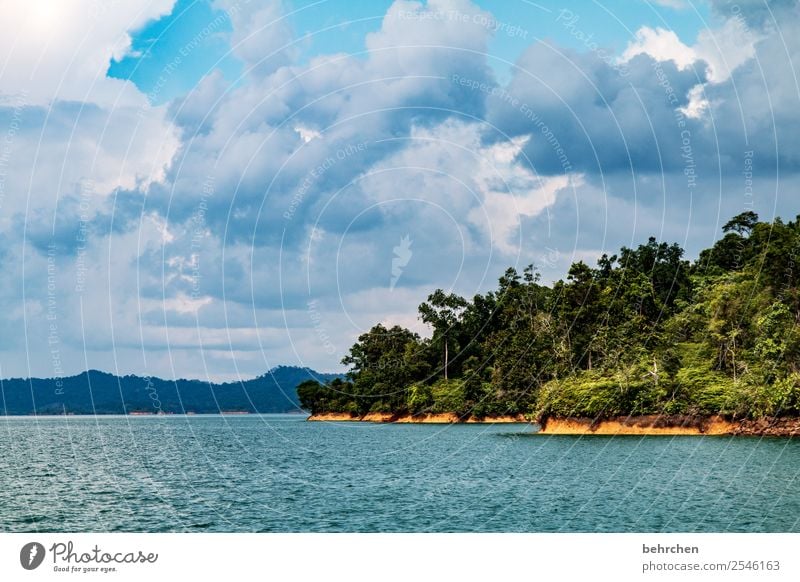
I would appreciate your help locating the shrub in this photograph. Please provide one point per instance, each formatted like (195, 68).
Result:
(448, 396)
(420, 398)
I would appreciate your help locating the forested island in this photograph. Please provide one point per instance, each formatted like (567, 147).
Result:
(645, 339)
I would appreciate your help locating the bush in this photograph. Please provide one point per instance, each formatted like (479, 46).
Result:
(707, 391)
(420, 398)
(780, 398)
(487, 404)
(381, 406)
(587, 394)
(448, 396)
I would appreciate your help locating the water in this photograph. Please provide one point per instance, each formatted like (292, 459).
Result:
(280, 473)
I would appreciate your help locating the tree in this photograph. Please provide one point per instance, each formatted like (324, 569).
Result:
(581, 312)
(664, 266)
(521, 345)
(309, 394)
(742, 224)
(442, 311)
(383, 364)
(644, 332)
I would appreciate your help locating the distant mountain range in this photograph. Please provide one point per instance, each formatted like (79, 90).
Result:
(95, 392)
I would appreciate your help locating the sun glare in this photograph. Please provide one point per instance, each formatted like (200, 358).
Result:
(45, 15)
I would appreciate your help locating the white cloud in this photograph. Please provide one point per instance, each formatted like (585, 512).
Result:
(486, 186)
(306, 134)
(262, 37)
(510, 192)
(726, 48)
(722, 49)
(56, 50)
(461, 193)
(79, 133)
(698, 104)
(184, 304)
(662, 45)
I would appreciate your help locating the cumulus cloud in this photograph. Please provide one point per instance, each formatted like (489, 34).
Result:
(250, 224)
(720, 50)
(74, 136)
(60, 51)
(591, 119)
(662, 45)
(262, 37)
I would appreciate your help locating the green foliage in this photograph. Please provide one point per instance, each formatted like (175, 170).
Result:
(702, 390)
(643, 332)
(336, 396)
(742, 224)
(448, 396)
(634, 389)
(442, 311)
(384, 362)
(420, 398)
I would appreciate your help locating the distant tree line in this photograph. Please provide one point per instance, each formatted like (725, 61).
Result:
(642, 332)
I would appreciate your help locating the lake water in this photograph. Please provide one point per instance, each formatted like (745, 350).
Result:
(280, 473)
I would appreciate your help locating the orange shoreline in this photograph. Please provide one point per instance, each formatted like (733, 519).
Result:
(385, 417)
(650, 425)
(676, 425)
(641, 425)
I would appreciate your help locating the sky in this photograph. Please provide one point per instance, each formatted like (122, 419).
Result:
(211, 188)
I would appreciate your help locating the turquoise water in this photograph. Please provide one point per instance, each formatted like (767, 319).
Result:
(280, 473)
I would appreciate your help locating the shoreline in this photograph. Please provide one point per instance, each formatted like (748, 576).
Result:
(648, 425)
(663, 425)
(443, 418)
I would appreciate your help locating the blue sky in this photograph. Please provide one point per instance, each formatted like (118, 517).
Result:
(160, 41)
(209, 189)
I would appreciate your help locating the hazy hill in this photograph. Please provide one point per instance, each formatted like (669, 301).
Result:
(95, 392)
